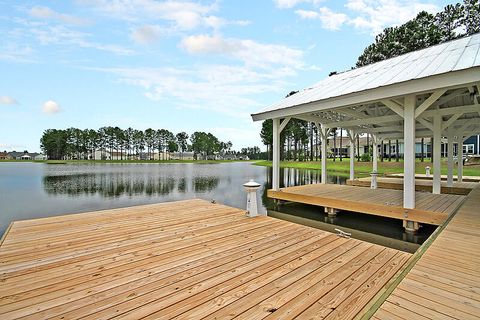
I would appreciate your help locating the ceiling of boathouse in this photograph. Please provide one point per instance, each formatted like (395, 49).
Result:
(461, 106)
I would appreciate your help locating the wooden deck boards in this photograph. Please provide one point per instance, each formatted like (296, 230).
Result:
(459, 188)
(443, 176)
(185, 260)
(445, 281)
(430, 208)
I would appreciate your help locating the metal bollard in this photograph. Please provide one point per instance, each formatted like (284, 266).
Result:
(427, 171)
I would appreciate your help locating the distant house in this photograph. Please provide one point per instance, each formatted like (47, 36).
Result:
(471, 146)
(187, 155)
(5, 156)
(40, 156)
(100, 154)
(16, 155)
(26, 155)
(161, 156)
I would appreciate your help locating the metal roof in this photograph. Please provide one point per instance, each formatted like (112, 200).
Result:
(456, 55)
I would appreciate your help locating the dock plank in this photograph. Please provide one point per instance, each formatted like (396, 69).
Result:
(430, 208)
(424, 185)
(444, 283)
(183, 259)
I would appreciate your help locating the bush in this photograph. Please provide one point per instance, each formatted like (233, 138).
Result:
(366, 157)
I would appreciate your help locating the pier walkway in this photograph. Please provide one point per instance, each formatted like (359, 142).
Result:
(186, 260)
(425, 185)
(445, 282)
(430, 177)
(430, 208)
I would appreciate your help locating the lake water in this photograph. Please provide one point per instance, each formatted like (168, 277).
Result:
(33, 190)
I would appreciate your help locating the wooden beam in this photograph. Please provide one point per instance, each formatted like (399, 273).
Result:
(284, 124)
(452, 110)
(394, 106)
(428, 102)
(425, 122)
(370, 120)
(453, 118)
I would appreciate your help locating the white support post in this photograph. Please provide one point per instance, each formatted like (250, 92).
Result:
(323, 134)
(460, 157)
(409, 153)
(450, 159)
(374, 154)
(437, 170)
(276, 155)
(352, 154)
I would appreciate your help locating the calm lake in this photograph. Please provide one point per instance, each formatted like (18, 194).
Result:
(33, 190)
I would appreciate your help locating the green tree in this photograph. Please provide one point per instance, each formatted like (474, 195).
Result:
(54, 143)
(471, 16)
(423, 31)
(266, 134)
(150, 137)
(138, 142)
(182, 140)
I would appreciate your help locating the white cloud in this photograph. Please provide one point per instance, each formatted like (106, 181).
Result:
(51, 107)
(146, 34)
(330, 20)
(375, 15)
(181, 16)
(16, 53)
(366, 15)
(307, 14)
(248, 51)
(229, 90)
(6, 100)
(62, 35)
(47, 13)
(285, 4)
(185, 15)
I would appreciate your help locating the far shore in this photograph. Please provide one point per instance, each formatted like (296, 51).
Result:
(337, 167)
(125, 161)
(364, 168)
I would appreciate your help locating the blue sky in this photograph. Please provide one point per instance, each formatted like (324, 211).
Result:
(179, 65)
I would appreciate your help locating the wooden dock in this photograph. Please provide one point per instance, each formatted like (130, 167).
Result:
(445, 282)
(430, 177)
(186, 260)
(430, 208)
(460, 188)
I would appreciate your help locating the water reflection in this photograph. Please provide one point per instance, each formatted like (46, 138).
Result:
(290, 177)
(120, 184)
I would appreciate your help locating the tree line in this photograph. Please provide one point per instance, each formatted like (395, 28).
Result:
(74, 143)
(300, 141)
(425, 30)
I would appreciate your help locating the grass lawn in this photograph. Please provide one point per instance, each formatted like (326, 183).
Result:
(123, 161)
(366, 167)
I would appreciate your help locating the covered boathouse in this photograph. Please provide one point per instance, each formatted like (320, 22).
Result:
(433, 92)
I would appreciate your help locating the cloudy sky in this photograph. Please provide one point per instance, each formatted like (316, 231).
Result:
(179, 65)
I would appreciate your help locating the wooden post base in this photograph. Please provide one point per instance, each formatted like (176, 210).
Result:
(332, 212)
(411, 226)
